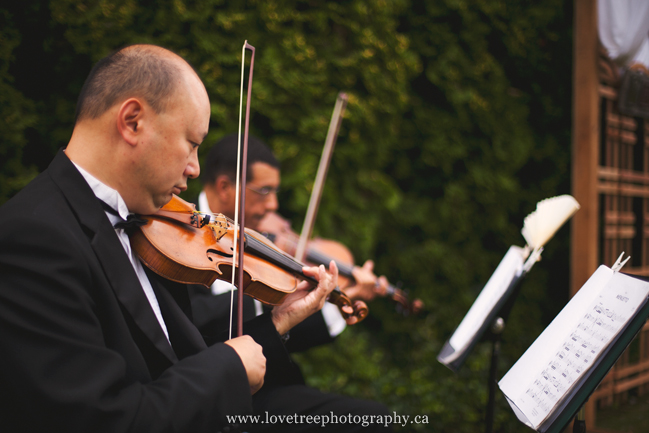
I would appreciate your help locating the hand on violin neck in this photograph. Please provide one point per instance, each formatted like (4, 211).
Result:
(303, 302)
(351, 318)
(366, 285)
(381, 286)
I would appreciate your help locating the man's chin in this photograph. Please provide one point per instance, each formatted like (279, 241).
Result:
(162, 200)
(252, 222)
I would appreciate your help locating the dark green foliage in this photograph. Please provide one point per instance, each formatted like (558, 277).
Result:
(16, 115)
(458, 122)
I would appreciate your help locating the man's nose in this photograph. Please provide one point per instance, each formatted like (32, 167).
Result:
(271, 202)
(193, 168)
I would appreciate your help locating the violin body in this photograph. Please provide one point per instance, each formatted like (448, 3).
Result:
(174, 247)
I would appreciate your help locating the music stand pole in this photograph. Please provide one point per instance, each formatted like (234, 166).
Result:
(496, 331)
(579, 425)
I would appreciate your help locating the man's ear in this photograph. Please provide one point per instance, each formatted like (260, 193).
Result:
(224, 187)
(129, 120)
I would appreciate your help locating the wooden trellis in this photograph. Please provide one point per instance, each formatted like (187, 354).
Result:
(610, 177)
(623, 189)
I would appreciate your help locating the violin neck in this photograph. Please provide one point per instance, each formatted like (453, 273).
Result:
(316, 257)
(344, 270)
(259, 249)
(393, 291)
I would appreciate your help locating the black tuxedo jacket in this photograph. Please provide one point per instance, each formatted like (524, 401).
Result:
(212, 313)
(80, 347)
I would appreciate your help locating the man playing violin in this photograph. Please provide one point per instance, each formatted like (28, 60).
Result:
(91, 340)
(284, 392)
(261, 201)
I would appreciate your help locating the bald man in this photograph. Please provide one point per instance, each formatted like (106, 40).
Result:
(92, 341)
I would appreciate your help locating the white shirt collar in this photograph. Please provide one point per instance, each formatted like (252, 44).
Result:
(105, 193)
(203, 205)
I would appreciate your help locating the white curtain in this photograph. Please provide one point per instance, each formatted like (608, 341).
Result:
(624, 30)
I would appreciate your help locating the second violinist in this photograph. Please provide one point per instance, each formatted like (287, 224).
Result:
(284, 391)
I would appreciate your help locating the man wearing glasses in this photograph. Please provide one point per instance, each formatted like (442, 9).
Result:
(219, 186)
(284, 391)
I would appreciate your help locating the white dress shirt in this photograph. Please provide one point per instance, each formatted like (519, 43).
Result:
(113, 199)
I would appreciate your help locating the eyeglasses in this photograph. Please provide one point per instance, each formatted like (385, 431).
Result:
(264, 190)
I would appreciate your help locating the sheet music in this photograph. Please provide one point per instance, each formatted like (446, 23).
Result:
(509, 268)
(575, 345)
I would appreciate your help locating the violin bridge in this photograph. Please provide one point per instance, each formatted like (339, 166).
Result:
(219, 226)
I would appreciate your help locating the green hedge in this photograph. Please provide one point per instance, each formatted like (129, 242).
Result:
(458, 122)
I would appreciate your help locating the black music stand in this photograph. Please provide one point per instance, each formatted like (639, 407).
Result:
(492, 319)
(490, 310)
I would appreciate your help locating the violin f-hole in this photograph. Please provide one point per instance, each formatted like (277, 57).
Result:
(218, 253)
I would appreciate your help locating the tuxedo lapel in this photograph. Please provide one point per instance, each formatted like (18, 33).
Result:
(128, 289)
(175, 306)
(110, 253)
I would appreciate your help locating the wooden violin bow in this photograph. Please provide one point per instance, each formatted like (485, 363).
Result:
(242, 165)
(325, 159)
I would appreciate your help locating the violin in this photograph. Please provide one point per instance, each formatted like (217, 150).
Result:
(184, 245)
(322, 251)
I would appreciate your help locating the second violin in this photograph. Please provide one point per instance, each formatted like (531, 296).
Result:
(322, 251)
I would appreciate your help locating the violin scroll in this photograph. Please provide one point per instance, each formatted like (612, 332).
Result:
(359, 308)
(404, 305)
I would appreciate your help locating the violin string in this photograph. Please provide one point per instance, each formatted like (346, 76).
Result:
(315, 255)
(230, 221)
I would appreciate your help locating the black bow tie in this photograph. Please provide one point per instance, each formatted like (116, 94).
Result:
(132, 221)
